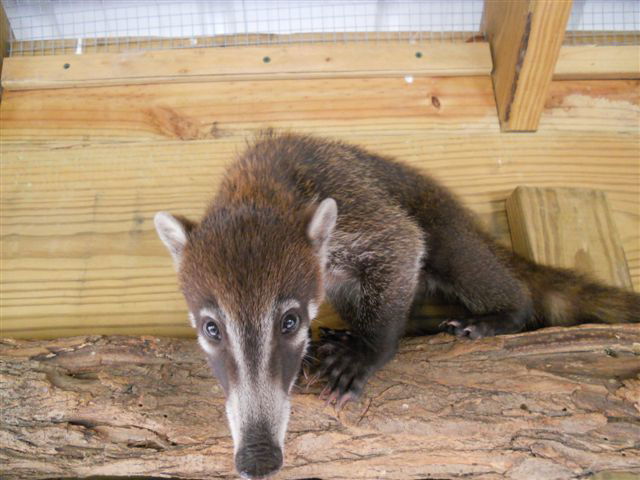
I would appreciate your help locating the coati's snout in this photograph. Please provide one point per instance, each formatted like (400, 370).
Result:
(259, 456)
(253, 283)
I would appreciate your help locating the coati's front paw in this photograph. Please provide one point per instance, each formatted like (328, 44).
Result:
(469, 328)
(344, 361)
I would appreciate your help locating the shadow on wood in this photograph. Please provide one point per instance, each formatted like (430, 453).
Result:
(555, 403)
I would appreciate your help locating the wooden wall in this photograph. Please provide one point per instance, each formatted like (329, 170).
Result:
(85, 169)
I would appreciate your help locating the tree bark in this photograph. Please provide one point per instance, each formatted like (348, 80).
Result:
(552, 404)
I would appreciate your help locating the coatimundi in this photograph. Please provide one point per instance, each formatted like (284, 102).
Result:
(298, 217)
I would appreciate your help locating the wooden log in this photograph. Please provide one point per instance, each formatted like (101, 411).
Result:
(568, 228)
(525, 38)
(555, 403)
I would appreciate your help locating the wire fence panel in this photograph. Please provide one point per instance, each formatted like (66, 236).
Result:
(43, 27)
(48, 26)
(604, 22)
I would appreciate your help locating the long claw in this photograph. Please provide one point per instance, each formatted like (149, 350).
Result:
(344, 399)
(332, 398)
(325, 392)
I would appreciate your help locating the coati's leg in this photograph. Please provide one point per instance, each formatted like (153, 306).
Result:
(465, 263)
(374, 300)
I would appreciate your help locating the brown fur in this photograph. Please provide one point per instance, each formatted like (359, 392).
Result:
(388, 215)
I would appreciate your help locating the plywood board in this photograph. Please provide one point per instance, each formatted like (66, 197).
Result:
(79, 253)
(84, 169)
(568, 228)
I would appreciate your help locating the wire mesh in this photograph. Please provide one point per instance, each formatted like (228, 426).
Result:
(42, 27)
(604, 22)
(52, 26)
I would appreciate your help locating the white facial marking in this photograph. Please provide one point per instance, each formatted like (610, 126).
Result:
(313, 310)
(288, 305)
(255, 398)
(204, 343)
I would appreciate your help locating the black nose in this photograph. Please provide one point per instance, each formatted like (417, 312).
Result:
(258, 459)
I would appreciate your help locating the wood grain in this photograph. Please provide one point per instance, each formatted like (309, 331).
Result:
(83, 171)
(349, 60)
(568, 228)
(525, 38)
(597, 61)
(79, 250)
(519, 407)
(388, 107)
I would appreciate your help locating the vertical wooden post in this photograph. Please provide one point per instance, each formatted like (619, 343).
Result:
(6, 35)
(525, 38)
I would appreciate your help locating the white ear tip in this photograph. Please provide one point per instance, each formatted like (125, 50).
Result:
(330, 204)
(323, 221)
(161, 218)
(328, 208)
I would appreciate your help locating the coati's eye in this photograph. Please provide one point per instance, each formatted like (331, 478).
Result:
(290, 322)
(212, 330)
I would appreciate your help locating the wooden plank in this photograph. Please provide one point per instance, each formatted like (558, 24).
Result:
(83, 171)
(568, 228)
(79, 253)
(525, 38)
(81, 116)
(355, 60)
(594, 62)
(387, 106)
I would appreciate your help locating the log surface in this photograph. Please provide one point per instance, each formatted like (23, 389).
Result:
(554, 404)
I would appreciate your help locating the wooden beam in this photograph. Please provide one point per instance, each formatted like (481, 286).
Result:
(525, 38)
(6, 36)
(568, 228)
(248, 63)
(598, 62)
(556, 403)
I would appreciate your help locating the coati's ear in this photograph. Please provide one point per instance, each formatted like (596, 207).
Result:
(173, 231)
(322, 224)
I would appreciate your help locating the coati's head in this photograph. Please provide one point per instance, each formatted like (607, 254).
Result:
(252, 279)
